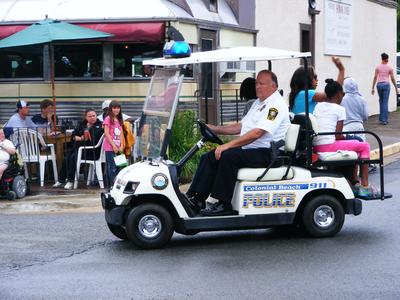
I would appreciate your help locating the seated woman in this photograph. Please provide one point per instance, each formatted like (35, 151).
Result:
(87, 134)
(330, 116)
(298, 86)
(7, 148)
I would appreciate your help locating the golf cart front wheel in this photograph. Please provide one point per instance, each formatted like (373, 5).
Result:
(323, 216)
(149, 226)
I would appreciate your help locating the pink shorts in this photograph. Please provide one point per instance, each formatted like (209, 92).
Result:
(362, 148)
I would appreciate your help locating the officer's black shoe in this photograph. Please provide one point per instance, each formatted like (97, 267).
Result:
(217, 209)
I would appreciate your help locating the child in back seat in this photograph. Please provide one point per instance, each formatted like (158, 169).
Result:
(330, 116)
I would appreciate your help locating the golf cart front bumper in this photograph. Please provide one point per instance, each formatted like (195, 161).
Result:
(114, 214)
(353, 206)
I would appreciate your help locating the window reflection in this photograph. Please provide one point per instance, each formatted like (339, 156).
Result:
(22, 64)
(78, 60)
(128, 59)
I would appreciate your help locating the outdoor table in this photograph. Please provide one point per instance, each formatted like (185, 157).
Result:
(59, 140)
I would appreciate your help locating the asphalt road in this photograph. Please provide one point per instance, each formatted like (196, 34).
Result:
(74, 256)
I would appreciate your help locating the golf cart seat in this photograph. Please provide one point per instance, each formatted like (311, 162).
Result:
(279, 173)
(337, 156)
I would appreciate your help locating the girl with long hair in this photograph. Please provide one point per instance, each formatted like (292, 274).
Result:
(298, 85)
(114, 141)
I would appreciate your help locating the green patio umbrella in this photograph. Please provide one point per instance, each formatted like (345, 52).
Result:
(50, 31)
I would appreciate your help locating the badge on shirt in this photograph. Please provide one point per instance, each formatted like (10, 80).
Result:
(272, 113)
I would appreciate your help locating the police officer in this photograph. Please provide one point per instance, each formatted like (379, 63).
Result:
(266, 121)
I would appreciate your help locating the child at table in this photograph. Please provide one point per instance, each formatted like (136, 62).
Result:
(114, 141)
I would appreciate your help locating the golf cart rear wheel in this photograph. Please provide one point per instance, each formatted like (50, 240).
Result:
(19, 186)
(118, 231)
(323, 216)
(149, 226)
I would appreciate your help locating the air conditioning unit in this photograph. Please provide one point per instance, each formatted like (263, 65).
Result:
(237, 67)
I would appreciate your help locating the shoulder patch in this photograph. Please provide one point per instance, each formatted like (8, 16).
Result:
(272, 113)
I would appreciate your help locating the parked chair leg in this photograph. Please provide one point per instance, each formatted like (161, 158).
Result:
(26, 170)
(42, 165)
(99, 173)
(90, 175)
(55, 171)
(78, 167)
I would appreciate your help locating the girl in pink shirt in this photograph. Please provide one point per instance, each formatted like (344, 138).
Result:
(382, 74)
(113, 142)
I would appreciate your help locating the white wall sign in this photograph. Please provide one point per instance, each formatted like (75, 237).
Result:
(338, 27)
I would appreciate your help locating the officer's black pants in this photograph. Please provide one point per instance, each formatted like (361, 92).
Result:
(218, 177)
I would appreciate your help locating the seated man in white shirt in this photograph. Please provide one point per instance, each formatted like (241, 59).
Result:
(21, 119)
(267, 121)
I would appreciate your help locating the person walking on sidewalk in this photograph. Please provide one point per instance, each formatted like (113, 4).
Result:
(381, 79)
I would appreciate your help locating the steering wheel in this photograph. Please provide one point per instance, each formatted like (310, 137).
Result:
(208, 135)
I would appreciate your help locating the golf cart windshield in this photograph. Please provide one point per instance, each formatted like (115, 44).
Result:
(158, 113)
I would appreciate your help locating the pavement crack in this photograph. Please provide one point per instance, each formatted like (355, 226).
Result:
(9, 268)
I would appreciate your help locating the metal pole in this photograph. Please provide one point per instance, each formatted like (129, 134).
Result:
(206, 105)
(221, 109)
(237, 106)
(308, 137)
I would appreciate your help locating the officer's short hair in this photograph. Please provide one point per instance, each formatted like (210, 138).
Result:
(271, 74)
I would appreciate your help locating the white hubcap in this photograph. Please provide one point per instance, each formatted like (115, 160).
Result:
(324, 216)
(149, 226)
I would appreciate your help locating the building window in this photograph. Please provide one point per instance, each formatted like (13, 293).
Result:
(214, 6)
(305, 39)
(78, 61)
(22, 64)
(128, 59)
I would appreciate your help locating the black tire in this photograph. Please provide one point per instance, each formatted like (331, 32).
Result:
(159, 222)
(19, 186)
(118, 231)
(323, 216)
(11, 195)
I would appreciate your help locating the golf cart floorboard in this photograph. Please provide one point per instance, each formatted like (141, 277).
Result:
(376, 197)
(231, 222)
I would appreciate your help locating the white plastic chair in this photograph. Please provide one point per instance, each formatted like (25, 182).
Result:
(29, 141)
(94, 165)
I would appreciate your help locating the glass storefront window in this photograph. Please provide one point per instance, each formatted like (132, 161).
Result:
(128, 59)
(78, 61)
(21, 64)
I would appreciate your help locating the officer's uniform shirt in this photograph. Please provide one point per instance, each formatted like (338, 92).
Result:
(271, 115)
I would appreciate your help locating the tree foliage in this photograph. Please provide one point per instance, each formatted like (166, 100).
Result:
(398, 28)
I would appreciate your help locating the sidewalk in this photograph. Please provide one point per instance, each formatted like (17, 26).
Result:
(87, 199)
(389, 134)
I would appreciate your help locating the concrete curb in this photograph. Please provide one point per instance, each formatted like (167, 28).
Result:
(387, 151)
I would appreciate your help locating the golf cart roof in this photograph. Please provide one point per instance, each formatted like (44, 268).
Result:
(229, 54)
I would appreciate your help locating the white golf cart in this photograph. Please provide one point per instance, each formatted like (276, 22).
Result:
(146, 206)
